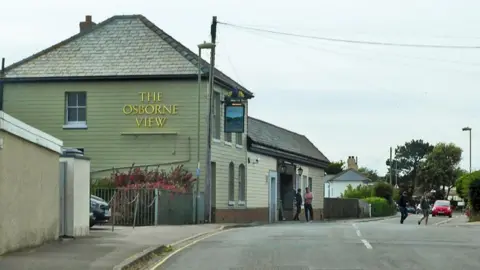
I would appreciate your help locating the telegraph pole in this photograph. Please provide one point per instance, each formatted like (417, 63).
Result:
(396, 172)
(391, 171)
(211, 79)
(2, 75)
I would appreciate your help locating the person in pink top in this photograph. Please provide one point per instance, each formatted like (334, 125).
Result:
(308, 198)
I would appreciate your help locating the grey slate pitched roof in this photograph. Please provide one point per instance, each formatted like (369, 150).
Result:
(273, 136)
(328, 177)
(347, 175)
(128, 45)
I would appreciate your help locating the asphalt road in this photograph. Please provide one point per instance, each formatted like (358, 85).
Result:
(373, 245)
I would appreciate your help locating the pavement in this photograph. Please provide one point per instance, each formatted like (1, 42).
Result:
(102, 250)
(383, 244)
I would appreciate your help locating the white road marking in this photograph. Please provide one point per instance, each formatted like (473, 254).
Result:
(367, 244)
(359, 234)
(156, 266)
(445, 221)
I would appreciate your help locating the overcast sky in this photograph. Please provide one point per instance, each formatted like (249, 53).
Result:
(349, 99)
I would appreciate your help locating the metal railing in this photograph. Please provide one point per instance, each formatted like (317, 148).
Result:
(149, 207)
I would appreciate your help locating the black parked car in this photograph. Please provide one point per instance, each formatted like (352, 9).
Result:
(99, 210)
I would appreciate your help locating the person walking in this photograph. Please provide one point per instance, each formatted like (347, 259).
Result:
(425, 209)
(402, 205)
(308, 205)
(298, 203)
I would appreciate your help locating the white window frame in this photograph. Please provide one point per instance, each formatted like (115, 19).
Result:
(217, 118)
(239, 140)
(242, 184)
(298, 182)
(227, 137)
(304, 185)
(231, 184)
(75, 124)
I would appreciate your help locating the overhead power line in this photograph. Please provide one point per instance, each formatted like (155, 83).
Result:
(376, 43)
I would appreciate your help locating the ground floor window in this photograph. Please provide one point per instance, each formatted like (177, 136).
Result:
(241, 185)
(231, 184)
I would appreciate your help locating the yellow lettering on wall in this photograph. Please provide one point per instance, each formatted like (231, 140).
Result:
(147, 108)
(161, 121)
(127, 109)
(151, 121)
(151, 96)
(142, 96)
(139, 121)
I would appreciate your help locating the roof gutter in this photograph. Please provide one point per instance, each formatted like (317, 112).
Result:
(290, 152)
(286, 155)
(114, 78)
(224, 84)
(100, 78)
(2, 75)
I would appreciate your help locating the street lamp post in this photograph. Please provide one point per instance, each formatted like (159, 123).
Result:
(469, 129)
(202, 46)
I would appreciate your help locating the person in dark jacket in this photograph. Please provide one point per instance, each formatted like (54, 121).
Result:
(298, 203)
(402, 205)
(425, 208)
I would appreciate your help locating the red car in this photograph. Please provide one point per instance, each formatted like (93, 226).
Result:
(442, 208)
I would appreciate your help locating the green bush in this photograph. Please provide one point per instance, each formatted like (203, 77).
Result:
(464, 187)
(383, 190)
(474, 199)
(359, 192)
(396, 194)
(381, 207)
(459, 187)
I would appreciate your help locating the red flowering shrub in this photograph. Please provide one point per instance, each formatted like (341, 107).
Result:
(178, 179)
(137, 189)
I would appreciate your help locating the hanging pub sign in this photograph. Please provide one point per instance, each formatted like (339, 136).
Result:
(234, 113)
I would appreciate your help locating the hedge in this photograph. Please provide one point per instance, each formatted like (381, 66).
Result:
(380, 206)
(378, 189)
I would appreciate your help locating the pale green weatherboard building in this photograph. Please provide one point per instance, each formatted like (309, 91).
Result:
(124, 92)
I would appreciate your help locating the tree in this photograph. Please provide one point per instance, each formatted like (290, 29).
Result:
(440, 169)
(335, 167)
(370, 174)
(459, 174)
(463, 184)
(359, 192)
(474, 199)
(409, 156)
(459, 187)
(383, 190)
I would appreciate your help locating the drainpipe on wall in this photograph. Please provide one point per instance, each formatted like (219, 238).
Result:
(2, 75)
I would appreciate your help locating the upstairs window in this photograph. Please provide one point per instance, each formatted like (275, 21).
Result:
(231, 183)
(216, 115)
(239, 138)
(242, 187)
(228, 137)
(76, 109)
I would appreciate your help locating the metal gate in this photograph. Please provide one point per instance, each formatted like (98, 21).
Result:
(62, 193)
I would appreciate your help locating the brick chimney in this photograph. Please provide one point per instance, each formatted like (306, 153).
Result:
(87, 24)
(352, 163)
